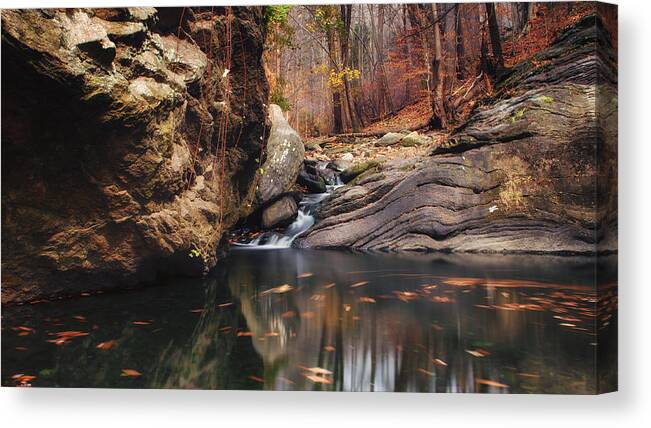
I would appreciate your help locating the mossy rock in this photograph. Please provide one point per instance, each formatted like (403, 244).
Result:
(350, 173)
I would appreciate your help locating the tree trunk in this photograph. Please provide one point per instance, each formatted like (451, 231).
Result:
(439, 117)
(520, 12)
(494, 33)
(337, 120)
(459, 43)
(346, 12)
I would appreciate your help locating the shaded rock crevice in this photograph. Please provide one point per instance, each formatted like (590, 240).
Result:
(127, 142)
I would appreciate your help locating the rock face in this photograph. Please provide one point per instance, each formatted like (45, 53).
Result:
(522, 175)
(285, 154)
(125, 147)
(280, 213)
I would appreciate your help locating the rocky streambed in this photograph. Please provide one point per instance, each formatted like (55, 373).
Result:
(534, 169)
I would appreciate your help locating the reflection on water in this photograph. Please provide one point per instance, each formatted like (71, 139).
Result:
(322, 320)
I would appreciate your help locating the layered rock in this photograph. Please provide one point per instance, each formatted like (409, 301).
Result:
(130, 137)
(533, 170)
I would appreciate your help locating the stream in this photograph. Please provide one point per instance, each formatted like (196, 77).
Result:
(289, 319)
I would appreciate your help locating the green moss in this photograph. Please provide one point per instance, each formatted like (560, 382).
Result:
(519, 114)
(545, 99)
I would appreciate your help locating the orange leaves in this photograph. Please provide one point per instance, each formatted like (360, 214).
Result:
(22, 379)
(22, 330)
(318, 379)
(107, 345)
(489, 382)
(318, 375)
(244, 334)
(305, 275)
(63, 337)
(439, 362)
(479, 352)
(130, 373)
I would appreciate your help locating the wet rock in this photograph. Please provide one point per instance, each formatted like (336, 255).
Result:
(280, 213)
(313, 183)
(285, 154)
(389, 139)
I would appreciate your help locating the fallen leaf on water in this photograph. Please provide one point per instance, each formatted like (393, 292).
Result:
(288, 314)
(319, 371)
(441, 299)
(439, 362)
(329, 285)
(256, 378)
(224, 305)
(22, 379)
(272, 334)
(329, 348)
(130, 373)
(367, 300)
(69, 334)
(22, 328)
(318, 379)
(141, 322)
(197, 311)
(278, 290)
(479, 353)
(107, 345)
(346, 307)
(305, 275)
(20, 348)
(488, 382)
(531, 375)
(24, 333)
(406, 296)
(358, 284)
(79, 318)
(244, 334)
(567, 324)
(428, 373)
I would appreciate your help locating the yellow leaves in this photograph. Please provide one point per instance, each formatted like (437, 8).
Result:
(130, 373)
(278, 290)
(336, 78)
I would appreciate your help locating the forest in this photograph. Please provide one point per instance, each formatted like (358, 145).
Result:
(373, 61)
(410, 197)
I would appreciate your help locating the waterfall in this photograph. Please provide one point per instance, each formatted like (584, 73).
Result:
(303, 222)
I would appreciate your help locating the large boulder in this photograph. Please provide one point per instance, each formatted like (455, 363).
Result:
(280, 213)
(285, 154)
(534, 169)
(110, 127)
(389, 139)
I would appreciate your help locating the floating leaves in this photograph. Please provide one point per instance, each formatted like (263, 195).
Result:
(479, 352)
(358, 284)
(305, 275)
(65, 336)
(130, 373)
(489, 382)
(278, 290)
(107, 345)
(22, 379)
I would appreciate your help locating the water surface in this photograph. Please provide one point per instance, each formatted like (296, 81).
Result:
(325, 320)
